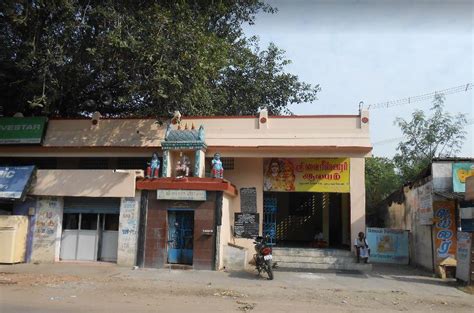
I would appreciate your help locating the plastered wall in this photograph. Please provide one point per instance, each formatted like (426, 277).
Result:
(405, 215)
(47, 230)
(224, 229)
(128, 230)
(247, 172)
(357, 197)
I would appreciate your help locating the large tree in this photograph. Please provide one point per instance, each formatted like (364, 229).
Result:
(426, 137)
(381, 180)
(140, 57)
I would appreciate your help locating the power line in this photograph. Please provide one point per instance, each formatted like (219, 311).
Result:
(423, 97)
(394, 139)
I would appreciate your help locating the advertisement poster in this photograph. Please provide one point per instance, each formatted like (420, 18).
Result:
(313, 175)
(388, 245)
(444, 229)
(461, 171)
(425, 209)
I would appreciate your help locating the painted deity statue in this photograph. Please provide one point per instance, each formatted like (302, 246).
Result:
(153, 169)
(183, 166)
(217, 170)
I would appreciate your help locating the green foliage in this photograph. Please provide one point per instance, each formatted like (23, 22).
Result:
(140, 58)
(428, 137)
(381, 180)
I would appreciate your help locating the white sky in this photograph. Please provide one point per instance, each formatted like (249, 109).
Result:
(375, 51)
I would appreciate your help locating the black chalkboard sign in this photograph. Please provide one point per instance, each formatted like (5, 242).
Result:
(246, 225)
(248, 200)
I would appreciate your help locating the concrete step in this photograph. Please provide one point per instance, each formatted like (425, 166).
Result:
(318, 266)
(311, 252)
(314, 259)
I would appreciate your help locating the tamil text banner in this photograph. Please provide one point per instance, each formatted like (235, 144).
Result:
(444, 229)
(307, 175)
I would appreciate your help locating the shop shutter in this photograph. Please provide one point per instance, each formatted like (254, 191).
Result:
(91, 205)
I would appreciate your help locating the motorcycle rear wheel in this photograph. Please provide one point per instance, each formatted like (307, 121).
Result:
(268, 269)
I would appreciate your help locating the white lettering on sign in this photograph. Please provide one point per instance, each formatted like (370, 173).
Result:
(172, 194)
(6, 173)
(20, 127)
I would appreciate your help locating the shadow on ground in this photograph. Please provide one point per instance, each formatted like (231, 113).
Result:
(247, 275)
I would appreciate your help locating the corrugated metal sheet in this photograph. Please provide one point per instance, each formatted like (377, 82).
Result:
(450, 195)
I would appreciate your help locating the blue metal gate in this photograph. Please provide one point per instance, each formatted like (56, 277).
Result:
(180, 236)
(269, 218)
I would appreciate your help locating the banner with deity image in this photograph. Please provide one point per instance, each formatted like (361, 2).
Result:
(307, 175)
(388, 245)
(444, 229)
(461, 171)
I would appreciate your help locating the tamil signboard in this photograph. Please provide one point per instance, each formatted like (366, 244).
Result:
(22, 130)
(425, 209)
(388, 245)
(246, 225)
(444, 229)
(307, 175)
(14, 181)
(248, 200)
(173, 194)
(461, 171)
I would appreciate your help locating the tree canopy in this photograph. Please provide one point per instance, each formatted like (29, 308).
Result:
(426, 137)
(381, 180)
(141, 57)
(440, 134)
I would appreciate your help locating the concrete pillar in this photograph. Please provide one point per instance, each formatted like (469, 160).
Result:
(357, 197)
(166, 172)
(200, 164)
(128, 230)
(48, 229)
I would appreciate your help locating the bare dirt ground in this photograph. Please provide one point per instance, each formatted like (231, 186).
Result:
(79, 287)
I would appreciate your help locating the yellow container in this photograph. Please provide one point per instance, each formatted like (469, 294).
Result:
(13, 233)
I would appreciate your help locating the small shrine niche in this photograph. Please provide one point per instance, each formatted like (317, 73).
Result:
(184, 150)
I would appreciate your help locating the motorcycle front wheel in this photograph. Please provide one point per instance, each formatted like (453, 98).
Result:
(268, 269)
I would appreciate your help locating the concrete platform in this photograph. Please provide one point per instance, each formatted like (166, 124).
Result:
(320, 259)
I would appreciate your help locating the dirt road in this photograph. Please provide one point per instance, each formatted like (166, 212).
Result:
(66, 287)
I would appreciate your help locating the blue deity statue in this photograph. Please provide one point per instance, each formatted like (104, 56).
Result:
(217, 170)
(153, 169)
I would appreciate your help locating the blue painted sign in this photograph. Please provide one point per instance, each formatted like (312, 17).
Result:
(14, 180)
(388, 245)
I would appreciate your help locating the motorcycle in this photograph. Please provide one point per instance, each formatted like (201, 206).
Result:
(263, 257)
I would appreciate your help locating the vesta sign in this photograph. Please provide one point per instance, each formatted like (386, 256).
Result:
(22, 130)
(20, 127)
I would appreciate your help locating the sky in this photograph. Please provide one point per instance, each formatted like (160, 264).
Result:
(376, 51)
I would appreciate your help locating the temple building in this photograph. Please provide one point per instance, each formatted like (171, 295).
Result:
(93, 191)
